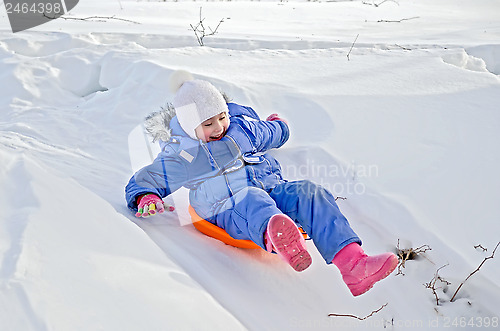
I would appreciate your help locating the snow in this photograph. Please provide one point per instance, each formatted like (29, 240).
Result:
(406, 130)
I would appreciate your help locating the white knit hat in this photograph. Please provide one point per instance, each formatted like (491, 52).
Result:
(195, 101)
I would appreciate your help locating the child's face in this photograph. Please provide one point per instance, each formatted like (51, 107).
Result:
(214, 128)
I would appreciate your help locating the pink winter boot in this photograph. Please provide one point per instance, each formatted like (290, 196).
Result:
(360, 271)
(283, 235)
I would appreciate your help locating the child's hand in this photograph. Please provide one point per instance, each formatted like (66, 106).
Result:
(150, 204)
(275, 117)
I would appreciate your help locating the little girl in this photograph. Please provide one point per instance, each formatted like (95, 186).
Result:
(217, 150)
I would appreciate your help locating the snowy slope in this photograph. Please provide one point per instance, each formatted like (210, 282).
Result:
(406, 129)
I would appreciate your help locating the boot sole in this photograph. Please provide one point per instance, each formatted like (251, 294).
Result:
(367, 283)
(289, 242)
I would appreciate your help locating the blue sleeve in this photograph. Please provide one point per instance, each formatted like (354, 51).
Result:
(164, 176)
(258, 136)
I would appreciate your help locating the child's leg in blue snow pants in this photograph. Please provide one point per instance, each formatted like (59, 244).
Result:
(315, 209)
(245, 215)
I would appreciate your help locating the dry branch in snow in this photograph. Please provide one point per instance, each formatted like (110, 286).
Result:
(348, 54)
(398, 21)
(406, 254)
(357, 317)
(432, 283)
(92, 18)
(380, 3)
(201, 32)
(477, 269)
(481, 247)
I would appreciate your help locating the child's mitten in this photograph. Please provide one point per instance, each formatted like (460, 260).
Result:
(150, 204)
(275, 117)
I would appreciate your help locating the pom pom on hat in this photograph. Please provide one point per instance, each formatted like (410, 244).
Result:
(178, 78)
(195, 101)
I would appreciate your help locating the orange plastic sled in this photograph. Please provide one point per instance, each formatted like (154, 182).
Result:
(214, 231)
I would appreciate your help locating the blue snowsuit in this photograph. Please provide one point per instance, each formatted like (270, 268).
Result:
(237, 186)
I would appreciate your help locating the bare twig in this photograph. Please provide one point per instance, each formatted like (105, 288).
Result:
(341, 198)
(481, 247)
(404, 48)
(398, 21)
(92, 18)
(200, 31)
(432, 283)
(472, 273)
(348, 54)
(406, 254)
(380, 3)
(357, 317)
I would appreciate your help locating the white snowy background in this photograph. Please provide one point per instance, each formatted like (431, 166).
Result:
(406, 128)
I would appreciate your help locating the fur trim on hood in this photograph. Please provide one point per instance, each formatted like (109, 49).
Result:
(157, 124)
